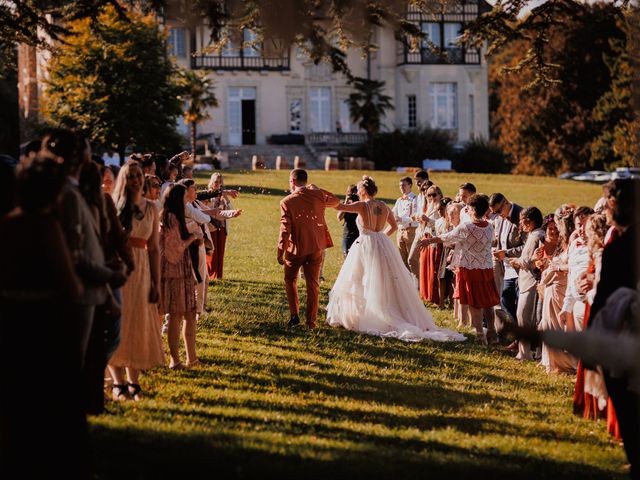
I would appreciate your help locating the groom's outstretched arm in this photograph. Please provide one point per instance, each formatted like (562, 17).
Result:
(285, 231)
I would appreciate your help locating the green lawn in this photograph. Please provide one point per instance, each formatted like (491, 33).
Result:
(295, 404)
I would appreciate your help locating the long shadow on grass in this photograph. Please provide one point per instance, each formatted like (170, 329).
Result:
(147, 454)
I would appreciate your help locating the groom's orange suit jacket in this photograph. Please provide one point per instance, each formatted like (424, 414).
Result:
(303, 229)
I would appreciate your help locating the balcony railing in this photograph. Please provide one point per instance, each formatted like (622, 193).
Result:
(335, 138)
(452, 56)
(239, 62)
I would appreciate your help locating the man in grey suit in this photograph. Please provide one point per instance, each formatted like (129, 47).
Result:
(508, 243)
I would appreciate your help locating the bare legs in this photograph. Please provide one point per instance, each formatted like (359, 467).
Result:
(188, 336)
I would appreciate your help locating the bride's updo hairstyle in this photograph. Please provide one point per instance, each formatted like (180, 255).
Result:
(369, 185)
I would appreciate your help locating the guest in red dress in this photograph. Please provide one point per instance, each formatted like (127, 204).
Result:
(431, 256)
(475, 285)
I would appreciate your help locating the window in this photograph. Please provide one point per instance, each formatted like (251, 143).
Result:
(177, 42)
(295, 115)
(452, 32)
(412, 117)
(345, 117)
(432, 32)
(444, 105)
(320, 109)
(251, 47)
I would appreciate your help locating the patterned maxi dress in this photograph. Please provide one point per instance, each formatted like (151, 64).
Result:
(141, 335)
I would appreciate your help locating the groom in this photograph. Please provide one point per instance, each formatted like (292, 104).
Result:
(303, 237)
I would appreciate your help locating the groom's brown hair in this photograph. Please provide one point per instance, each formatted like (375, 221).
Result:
(299, 175)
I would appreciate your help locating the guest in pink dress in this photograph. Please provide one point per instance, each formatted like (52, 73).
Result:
(178, 285)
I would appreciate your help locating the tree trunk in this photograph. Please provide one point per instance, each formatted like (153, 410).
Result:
(192, 131)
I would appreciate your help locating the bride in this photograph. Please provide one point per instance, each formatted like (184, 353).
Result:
(374, 292)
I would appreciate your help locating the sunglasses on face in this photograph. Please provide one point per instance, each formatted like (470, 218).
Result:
(431, 195)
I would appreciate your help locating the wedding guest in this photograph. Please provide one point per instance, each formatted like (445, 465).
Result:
(403, 211)
(218, 228)
(466, 191)
(198, 217)
(528, 276)
(445, 275)
(151, 190)
(590, 394)
(430, 256)
(178, 289)
(108, 179)
(187, 171)
(573, 308)
(508, 244)
(148, 164)
(141, 338)
(39, 293)
(620, 268)
(475, 286)
(350, 232)
(104, 328)
(29, 153)
(551, 261)
(78, 223)
(453, 254)
(421, 179)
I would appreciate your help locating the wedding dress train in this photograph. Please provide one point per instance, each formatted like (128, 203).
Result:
(375, 294)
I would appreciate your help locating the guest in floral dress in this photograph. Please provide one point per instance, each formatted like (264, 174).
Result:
(178, 285)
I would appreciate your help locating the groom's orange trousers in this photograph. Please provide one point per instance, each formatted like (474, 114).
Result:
(310, 264)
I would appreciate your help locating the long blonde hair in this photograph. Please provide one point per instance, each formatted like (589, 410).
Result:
(122, 197)
(214, 177)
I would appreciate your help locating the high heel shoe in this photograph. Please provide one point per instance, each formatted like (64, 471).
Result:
(119, 392)
(135, 391)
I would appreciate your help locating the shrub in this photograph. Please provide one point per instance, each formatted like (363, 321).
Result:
(409, 148)
(481, 156)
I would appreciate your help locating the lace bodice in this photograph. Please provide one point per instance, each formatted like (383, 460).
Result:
(473, 242)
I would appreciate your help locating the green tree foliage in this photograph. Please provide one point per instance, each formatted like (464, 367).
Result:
(198, 96)
(550, 129)
(115, 83)
(367, 106)
(408, 148)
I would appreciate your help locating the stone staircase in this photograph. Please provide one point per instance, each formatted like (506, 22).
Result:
(239, 157)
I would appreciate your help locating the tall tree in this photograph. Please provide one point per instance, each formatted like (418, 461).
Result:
(198, 97)
(116, 84)
(367, 107)
(549, 129)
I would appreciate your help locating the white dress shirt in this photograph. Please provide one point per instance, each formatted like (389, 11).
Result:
(404, 209)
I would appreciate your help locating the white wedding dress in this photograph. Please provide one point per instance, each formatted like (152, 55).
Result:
(375, 294)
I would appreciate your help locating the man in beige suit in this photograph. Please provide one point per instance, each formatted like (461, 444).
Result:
(303, 237)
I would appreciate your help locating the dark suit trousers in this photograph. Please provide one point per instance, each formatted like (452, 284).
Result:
(311, 266)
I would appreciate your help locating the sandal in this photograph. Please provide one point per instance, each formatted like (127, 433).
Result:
(195, 363)
(119, 393)
(135, 391)
(177, 366)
